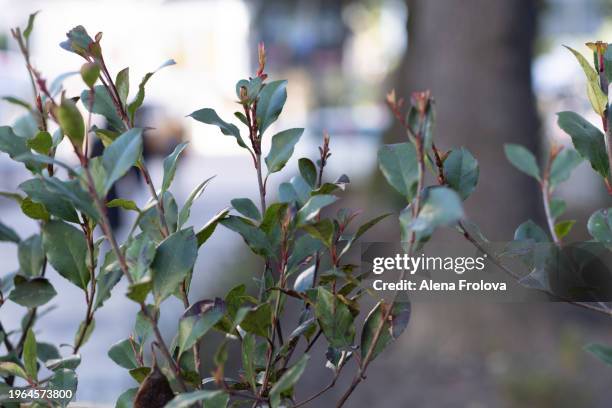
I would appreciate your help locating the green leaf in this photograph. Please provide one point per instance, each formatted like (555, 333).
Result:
(17, 101)
(87, 328)
(254, 237)
(47, 351)
(195, 194)
(308, 171)
(16, 197)
(557, 207)
(461, 172)
(31, 256)
(399, 164)
(602, 352)
(70, 362)
(587, 139)
(26, 126)
(271, 225)
(600, 225)
(90, 72)
(248, 359)
(149, 221)
(208, 229)
(441, 207)
(589, 71)
(322, 230)
(335, 319)
(122, 82)
(143, 327)
(34, 210)
(313, 206)
(522, 159)
(211, 399)
(608, 63)
(530, 230)
(210, 117)
(139, 99)
(170, 165)
(173, 262)
(366, 227)
(138, 291)
(597, 98)
(41, 143)
(304, 247)
(297, 190)
(78, 41)
(106, 136)
(235, 298)
(123, 203)
(247, 208)
(563, 165)
(304, 280)
(32, 293)
(122, 353)
(270, 103)
(258, 320)
(7, 234)
(12, 144)
(55, 204)
(102, 105)
(252, 86)
(64, 379)
(288, 380)
(30, 355)
(66, 248)
(30, 26)
(106, 281)
(362, 230)
(121, 155)
(71, 122)
(197, 321)
(140, 373)
(564, 227)
(126, 400)
(399, 318)
(8, 368)
(139, 255)
(73, 192)
(282, 149)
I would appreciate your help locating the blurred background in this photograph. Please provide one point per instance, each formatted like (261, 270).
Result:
(499, 74)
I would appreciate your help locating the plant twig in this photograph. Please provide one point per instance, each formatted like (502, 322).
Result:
(545, 188)
(7, 342)
(387, 309)
(329, 386)
(284, 256)
(111, 88)
(105, 225)
(608, 141)
(516, 276)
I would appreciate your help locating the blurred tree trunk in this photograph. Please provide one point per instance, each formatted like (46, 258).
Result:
(475, 56)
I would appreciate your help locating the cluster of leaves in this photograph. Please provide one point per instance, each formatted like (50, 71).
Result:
(303, 254)
(304, 264)
(457, 171)
(590, 144)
